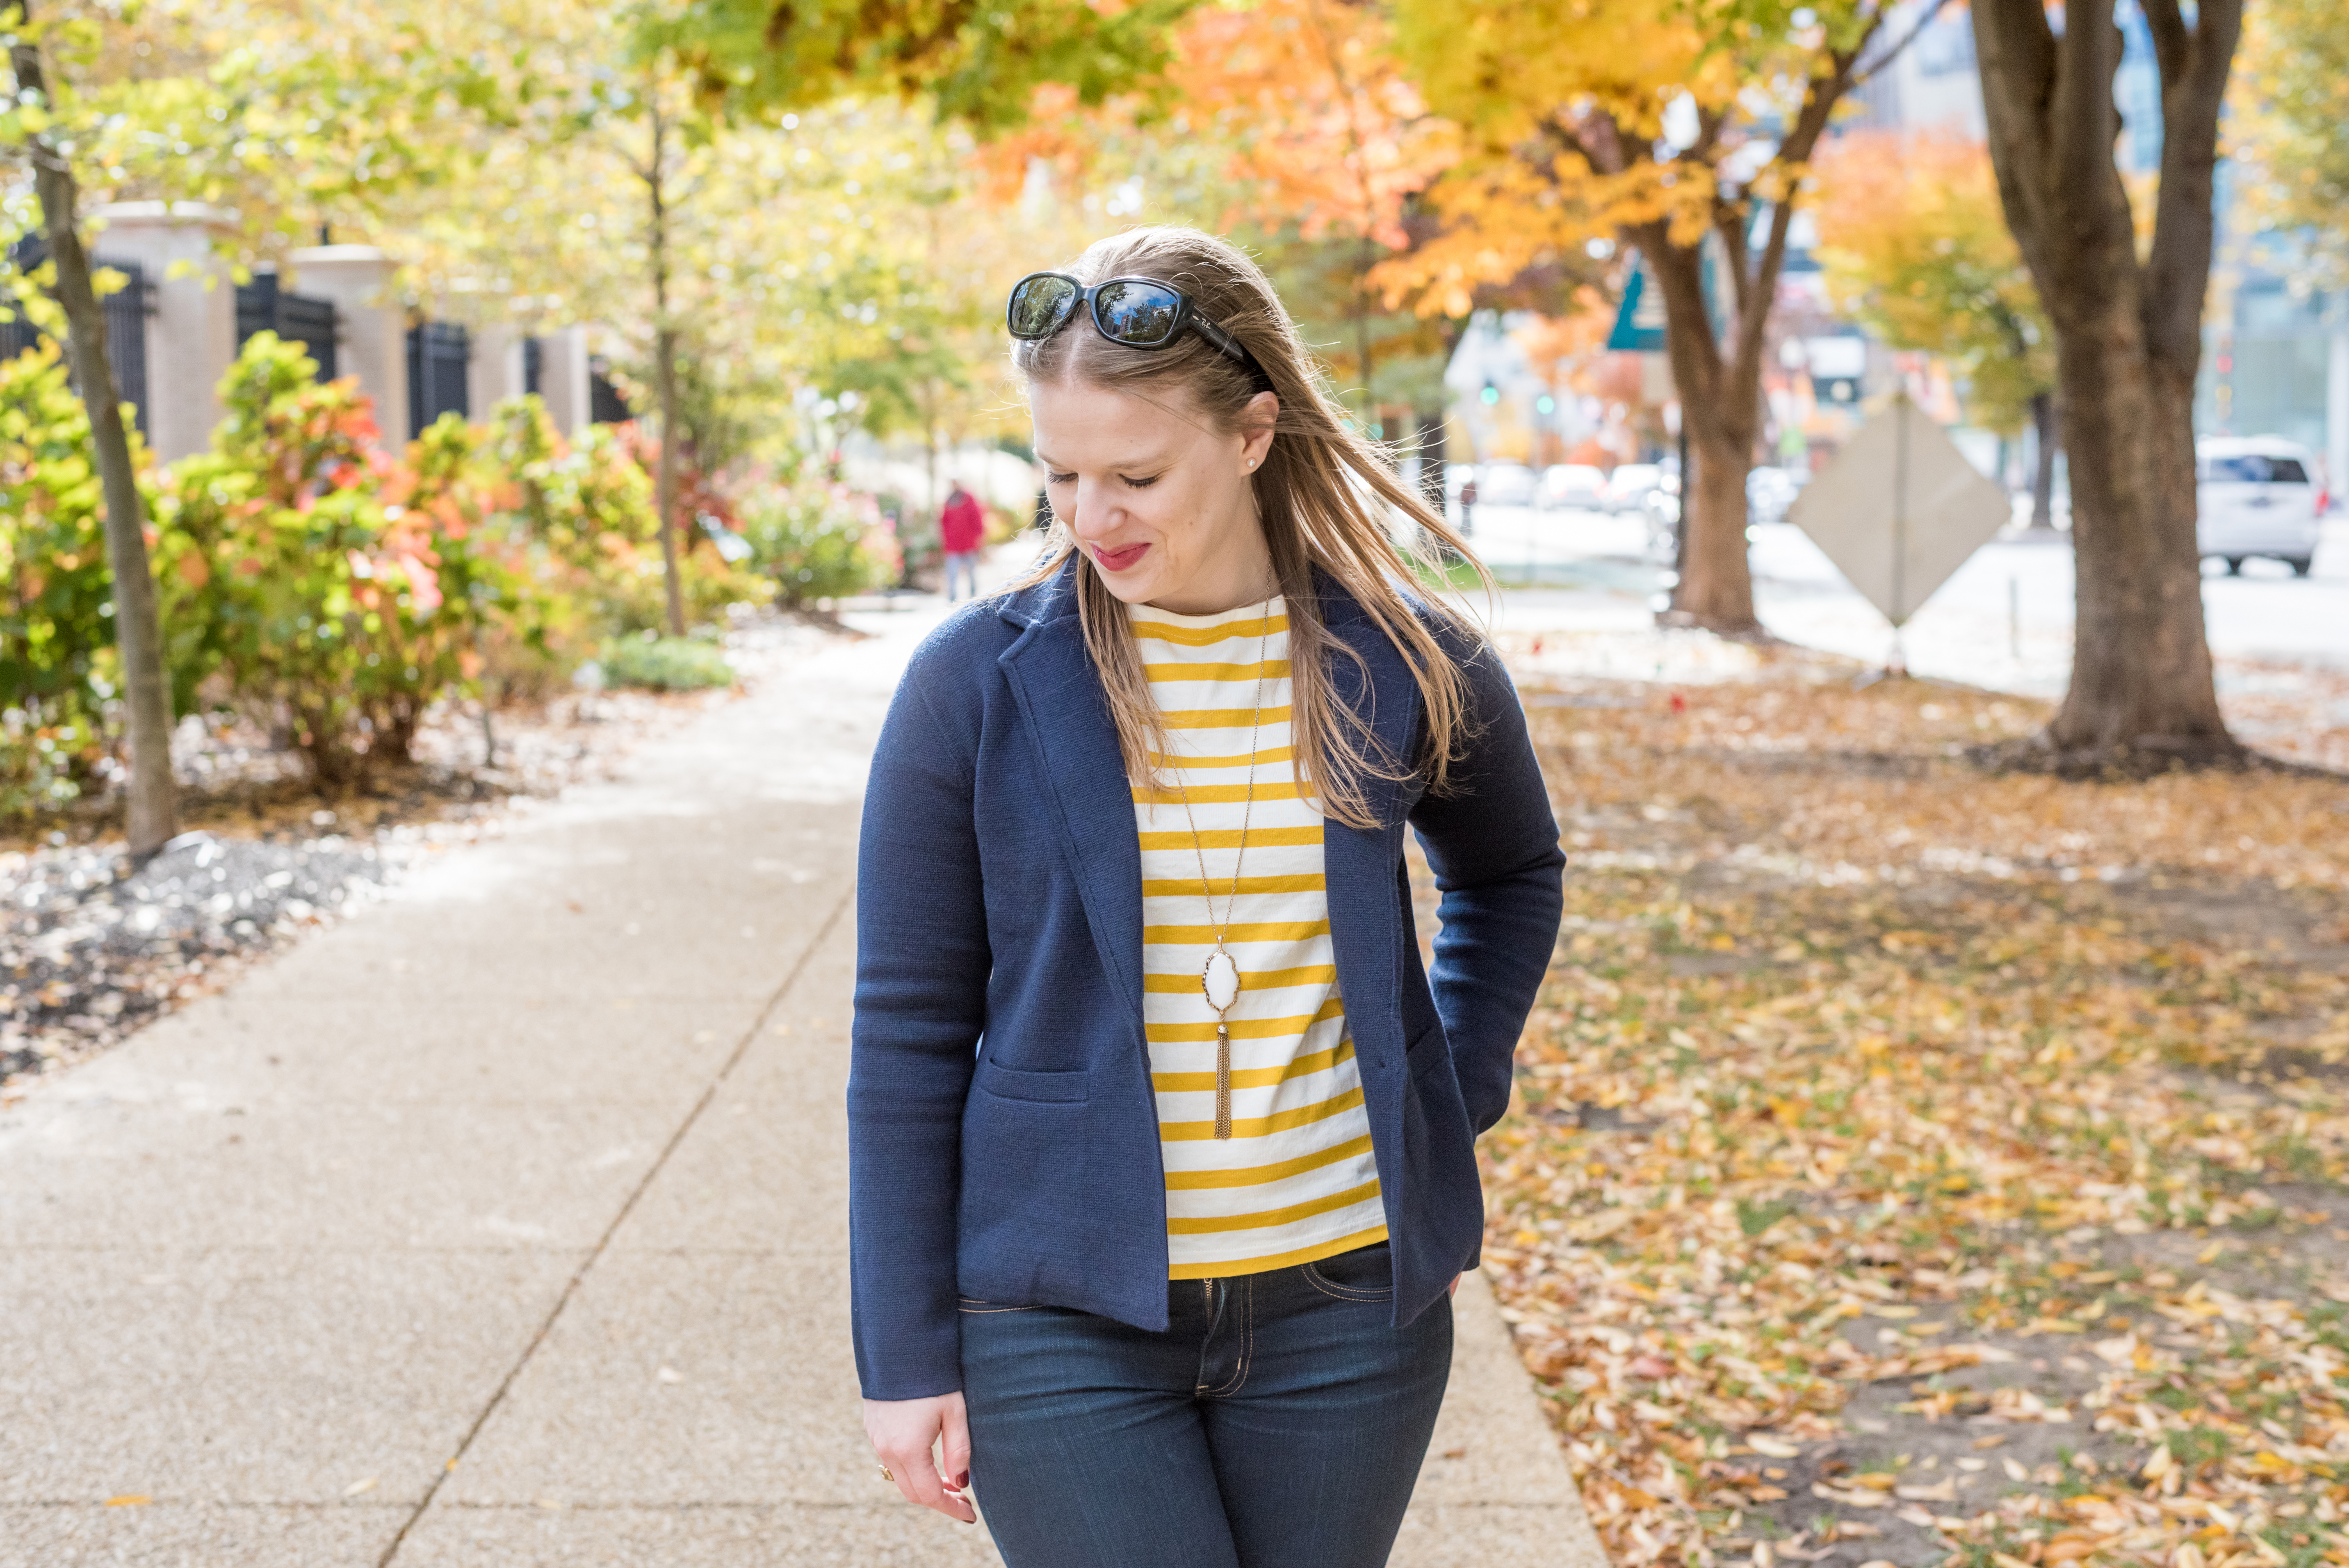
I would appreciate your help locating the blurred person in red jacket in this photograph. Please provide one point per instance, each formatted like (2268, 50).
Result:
(961, 526)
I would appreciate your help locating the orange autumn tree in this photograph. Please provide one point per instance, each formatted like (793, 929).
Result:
(1328, 136)
(1679, 127)
(1288, 116)
(1916, 249)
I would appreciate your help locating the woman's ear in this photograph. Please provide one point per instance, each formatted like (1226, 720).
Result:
(1256, 421)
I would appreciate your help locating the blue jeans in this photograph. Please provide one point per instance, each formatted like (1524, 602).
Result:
(964, 565)
(1280, 1422)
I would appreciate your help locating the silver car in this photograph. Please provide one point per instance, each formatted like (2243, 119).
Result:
(2256, 496)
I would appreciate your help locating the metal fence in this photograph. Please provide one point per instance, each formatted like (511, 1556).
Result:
(438, 354)
(604, 404)
(261, 306)
(127, 310)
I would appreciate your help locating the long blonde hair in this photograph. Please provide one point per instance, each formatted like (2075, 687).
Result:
(1320, 496)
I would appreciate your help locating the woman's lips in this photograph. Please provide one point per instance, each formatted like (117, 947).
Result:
(1118, 559)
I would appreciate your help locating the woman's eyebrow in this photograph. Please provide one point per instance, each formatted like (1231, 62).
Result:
(1152, 461)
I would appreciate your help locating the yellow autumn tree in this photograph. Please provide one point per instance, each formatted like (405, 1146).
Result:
(1682, 127)
(1916, 249)
(2294, 103)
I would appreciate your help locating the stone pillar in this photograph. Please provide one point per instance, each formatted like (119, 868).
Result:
(371, 325)
(563, 384)
(495, 371)
(191, 336)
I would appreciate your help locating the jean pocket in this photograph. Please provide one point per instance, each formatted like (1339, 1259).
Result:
(1365, 1273)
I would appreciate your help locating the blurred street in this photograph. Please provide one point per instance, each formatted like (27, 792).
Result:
(2002, 620)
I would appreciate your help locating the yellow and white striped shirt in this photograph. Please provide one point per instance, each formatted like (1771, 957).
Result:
(1295, 1183)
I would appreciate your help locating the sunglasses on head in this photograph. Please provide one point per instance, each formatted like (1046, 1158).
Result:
(1140, 313)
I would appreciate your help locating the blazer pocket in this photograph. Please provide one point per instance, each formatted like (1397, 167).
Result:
(1058, 1087)
(1429, 1046)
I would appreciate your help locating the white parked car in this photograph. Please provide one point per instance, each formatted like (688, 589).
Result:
(1505, 484)
(1628, 487)
(2256, 496)
(1575, 485)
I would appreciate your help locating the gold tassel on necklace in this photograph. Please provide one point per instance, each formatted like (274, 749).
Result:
(1223, 1080)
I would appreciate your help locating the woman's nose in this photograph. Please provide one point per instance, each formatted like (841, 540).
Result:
(1094, 513)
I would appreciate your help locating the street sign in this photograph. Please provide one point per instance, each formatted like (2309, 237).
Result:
(1640, 319)
(1899, 509)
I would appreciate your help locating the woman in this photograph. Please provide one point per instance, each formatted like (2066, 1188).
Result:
(1162, 1160)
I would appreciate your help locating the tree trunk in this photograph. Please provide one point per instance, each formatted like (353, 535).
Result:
(1720, 410)
(665, 473)
(2141, 676)
(137, 627)
(2127, 346)
(1716, 586)
(2045, 431)
(656, 173)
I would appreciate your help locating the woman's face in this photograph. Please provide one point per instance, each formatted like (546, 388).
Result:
(1157, 499)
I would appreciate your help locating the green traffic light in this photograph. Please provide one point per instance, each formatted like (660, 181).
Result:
(1492, 394)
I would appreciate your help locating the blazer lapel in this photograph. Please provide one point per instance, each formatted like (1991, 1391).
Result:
(1059, 694)
(1361, 863)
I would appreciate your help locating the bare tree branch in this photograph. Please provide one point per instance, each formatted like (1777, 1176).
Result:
(2173, 42)
(2018, 55)
(1924, 20)
(2178, 269)
(1729, 220)
(2083, 121)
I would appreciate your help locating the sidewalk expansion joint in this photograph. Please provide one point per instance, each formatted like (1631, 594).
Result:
(627, 1206)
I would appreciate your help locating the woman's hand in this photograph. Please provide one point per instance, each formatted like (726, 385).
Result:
(902, 1432)
(1454, 1288)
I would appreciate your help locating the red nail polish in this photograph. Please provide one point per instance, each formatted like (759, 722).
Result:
(963, 1480)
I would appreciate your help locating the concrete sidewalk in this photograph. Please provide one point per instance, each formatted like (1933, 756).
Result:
(505, 1224)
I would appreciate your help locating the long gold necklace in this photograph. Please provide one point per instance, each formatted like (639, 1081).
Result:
(1220, 977)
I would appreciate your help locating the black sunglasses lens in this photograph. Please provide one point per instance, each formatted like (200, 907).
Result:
(1140, 314)
(1040, 307)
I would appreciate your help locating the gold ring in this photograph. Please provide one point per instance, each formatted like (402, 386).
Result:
(885, 1475)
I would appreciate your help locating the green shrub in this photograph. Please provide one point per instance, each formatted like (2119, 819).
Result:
(665, 664)
(588, 509)
(58, 665)
(819, 541)
(337, 592)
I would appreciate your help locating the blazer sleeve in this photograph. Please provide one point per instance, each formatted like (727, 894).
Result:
(922, 966)
(1493, 844)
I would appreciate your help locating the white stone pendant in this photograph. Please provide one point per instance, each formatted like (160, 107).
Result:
(1221, 980)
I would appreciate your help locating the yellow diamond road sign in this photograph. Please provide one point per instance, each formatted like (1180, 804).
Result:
(1899, 509)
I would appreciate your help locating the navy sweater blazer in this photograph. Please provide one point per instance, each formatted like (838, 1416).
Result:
(1003, 1137)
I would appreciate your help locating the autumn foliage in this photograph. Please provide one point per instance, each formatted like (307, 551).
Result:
(1910, 1165)
(1917, 250)
(318, 585)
